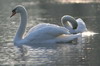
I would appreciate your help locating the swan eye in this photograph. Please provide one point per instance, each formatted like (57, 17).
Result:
(14, 10)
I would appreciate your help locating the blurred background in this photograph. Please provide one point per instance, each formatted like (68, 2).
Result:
(50, 11)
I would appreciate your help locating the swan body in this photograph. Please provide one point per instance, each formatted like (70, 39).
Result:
(79, 28)
(41, 33)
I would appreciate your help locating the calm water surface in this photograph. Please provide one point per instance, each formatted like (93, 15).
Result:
(84, 53)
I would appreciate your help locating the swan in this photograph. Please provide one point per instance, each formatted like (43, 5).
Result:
(79, 28)
(41, 33)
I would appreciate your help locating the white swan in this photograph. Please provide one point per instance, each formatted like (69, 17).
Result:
(79, 28)
(42, 33)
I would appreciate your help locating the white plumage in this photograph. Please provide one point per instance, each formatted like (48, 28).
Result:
(42, 33)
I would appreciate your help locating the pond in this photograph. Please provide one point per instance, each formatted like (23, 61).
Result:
(84, 53)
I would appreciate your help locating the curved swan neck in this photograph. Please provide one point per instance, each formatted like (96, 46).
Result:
(65, 19)
(22, 26)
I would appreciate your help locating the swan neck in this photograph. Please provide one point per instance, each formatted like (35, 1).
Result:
(21, 29)
(71, 20)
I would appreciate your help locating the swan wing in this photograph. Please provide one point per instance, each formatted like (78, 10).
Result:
(46, 31)
(37, 27)
(67, 38)
(64, 38)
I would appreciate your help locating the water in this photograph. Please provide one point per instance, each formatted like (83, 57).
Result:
(85, 53)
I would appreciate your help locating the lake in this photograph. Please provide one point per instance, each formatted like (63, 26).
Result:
(86, 52)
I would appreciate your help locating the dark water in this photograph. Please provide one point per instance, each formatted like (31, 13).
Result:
(41, 11)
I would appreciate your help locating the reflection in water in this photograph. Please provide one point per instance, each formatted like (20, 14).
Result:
(58, 54)
(77, 1)
(88, 33)
(69, 54)
(63, 54)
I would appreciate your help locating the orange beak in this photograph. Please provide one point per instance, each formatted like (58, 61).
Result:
(13, 13)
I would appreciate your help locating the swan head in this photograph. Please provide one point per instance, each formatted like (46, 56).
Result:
(18, 9)
(69, 21)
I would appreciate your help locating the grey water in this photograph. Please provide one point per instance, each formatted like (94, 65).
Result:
(85, 53)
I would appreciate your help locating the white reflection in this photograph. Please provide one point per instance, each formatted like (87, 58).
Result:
(89, 33)
(76, 1)
(29, 3)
